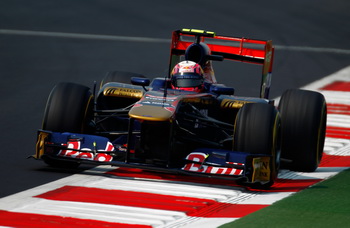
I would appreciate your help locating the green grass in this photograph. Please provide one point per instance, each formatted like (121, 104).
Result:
(326, 204)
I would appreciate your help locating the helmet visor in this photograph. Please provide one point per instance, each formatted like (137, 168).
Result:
(187, 80)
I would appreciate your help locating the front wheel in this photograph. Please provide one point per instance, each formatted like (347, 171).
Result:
(69, 108)
(257, 131)
(304, 116)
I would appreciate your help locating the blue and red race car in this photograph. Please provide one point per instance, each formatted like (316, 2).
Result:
(186, 122)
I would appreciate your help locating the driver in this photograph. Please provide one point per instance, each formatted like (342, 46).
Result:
(188, 76)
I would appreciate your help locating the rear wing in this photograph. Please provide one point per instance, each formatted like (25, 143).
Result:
(228, 48)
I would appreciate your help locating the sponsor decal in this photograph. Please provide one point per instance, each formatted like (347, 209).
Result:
(201, 168)
(228, 103)
(122, 92)
(201, 100)
(89, 154)
(261, 167)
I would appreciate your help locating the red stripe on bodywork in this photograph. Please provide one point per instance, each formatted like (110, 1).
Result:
(28, 220)
(338, 86)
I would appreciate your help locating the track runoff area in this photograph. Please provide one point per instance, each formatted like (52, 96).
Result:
(121, 197)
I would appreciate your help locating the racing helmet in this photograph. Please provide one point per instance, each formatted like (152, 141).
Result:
(187, 75)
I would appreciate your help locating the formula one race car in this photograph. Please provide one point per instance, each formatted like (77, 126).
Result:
(187, 123)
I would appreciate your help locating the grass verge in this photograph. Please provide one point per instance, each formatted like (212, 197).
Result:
(326, 204)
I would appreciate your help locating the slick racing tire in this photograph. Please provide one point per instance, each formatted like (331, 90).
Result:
(119, 76)
(69, 109)
(303, 127)
(257, 131)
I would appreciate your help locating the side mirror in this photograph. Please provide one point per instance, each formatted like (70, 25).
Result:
(140, 81)
(222, 90)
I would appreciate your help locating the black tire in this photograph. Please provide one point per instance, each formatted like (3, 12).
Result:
(303, 122)
(119, 76)
(69, 109)
(257, 131)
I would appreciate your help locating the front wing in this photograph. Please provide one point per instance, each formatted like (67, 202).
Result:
(214, 163)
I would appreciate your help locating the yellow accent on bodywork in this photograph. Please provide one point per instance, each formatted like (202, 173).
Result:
(229, 103)
(261, 169)
(151, 113)
(199, 31)
(122, 92)
(40, 144)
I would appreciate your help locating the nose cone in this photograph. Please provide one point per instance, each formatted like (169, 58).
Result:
(151, 112)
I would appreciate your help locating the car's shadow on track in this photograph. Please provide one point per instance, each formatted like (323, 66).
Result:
(281, 185)
(50, 169)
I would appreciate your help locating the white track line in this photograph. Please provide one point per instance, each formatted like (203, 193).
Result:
(152, 40)
(82, 36)
(341, 75)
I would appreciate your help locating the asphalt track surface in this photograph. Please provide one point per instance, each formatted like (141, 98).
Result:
(312, 41)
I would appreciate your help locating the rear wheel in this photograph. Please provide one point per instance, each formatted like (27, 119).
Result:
(304, 116)
(69, 109)
(257, 131)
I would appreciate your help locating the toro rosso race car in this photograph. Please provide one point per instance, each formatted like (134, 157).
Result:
(185, 122)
